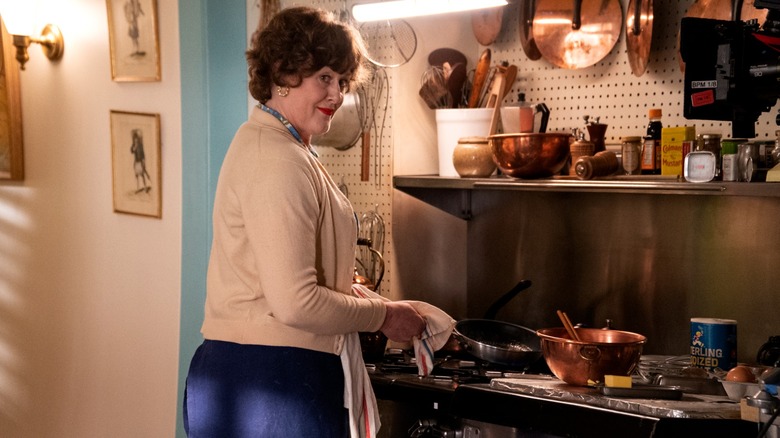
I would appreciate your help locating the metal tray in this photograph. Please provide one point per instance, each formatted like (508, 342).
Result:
(644, 391)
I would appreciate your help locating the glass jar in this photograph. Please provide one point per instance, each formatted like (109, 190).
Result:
(711, 143)
(631, 150)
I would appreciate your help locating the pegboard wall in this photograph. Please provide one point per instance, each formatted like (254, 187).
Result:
(608, 90)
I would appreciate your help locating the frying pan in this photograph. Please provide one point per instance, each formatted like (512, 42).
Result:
(639, 34)
(496, 341)
(576, 33)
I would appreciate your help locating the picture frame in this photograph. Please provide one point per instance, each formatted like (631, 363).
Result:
(136, 163)
(134, 40)
(11, 139)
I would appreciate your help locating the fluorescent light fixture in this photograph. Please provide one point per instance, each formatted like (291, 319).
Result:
(390, 10)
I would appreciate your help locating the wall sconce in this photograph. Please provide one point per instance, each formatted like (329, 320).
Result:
(389, 10)
(50, 40)
(18, 17)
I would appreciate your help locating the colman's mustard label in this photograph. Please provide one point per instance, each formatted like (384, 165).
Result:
(713, 343)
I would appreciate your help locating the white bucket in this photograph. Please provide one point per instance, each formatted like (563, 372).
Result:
(455, 123)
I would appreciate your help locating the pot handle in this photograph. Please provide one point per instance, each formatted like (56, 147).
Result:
(590, 353)
(501, 302)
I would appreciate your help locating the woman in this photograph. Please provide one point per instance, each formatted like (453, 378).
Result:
(279, 303)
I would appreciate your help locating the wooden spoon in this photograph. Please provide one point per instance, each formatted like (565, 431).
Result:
(569, 327)
(480, 76)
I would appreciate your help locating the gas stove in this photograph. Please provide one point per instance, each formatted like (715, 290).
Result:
(467, 397)
(460, 369)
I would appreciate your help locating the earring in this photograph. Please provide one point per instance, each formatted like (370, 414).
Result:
(282, 92)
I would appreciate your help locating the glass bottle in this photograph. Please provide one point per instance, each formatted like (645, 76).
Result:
(651, 149)
(631, 151)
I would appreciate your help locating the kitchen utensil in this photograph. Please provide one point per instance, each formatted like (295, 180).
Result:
(480, 77)
(381, 87)
(645, 392)
(510, 74)
(526, 10)
(495, 98)
(499, 342)
(567, 324)
(586, 362)
(389, 43)
(438, 57)
(639, 34)
(371, 280)
(372, 232)
(345, 128)
(521, 117)
(486, 24)
(455, 84)
(434, 89)
(530, 155)
(576, 33)
(370, 95)
(597, 133)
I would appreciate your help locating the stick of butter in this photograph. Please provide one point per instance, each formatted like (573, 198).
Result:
(617, 381)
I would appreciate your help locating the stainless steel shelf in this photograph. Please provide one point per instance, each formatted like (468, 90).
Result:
(454, 194)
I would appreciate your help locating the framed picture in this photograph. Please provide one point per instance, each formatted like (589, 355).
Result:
(11, 144)
(135, 159)
(134, 40)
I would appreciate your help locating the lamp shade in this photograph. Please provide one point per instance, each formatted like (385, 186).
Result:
(389, 10)
(19, 16)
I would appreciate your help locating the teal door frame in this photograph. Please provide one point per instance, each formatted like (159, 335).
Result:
(214, 103)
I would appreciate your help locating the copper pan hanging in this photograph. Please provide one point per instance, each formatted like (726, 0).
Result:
(576, 33)
(743, 10)
(639, 34)
(526, 10)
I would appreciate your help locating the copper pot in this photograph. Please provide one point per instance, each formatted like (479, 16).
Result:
(598, 353)
(530, 155)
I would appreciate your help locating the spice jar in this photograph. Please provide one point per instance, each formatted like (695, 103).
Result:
(711, 142)
(631, 149)
(604, 163)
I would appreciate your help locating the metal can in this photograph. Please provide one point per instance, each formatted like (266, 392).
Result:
(713, 343)
(730, 167)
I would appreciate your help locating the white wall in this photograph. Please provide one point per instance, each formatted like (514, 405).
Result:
(89, 298)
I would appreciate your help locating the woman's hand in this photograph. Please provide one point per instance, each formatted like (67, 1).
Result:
(402, 322)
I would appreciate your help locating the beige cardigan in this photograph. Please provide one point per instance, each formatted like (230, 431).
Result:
(283, 252)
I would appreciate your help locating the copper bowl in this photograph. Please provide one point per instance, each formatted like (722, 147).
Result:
(530, 155)
(598, 353)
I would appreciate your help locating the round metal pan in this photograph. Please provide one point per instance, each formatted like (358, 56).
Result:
(639, 34)
(499, 342)
(526, 11)
(576, 33)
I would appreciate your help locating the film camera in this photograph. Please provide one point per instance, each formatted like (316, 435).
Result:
(732, 68)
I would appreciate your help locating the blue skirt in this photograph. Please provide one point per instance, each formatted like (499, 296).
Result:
(236, 390)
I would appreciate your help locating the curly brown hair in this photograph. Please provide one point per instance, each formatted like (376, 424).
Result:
(298, 42)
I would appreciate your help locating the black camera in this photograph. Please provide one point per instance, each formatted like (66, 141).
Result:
(732, 68)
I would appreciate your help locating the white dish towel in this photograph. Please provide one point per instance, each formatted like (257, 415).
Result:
(358, 395)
